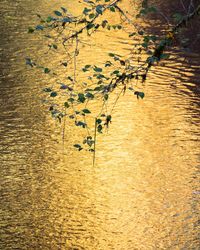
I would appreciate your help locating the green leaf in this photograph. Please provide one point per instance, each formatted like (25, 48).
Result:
(132, 34)
(46, 70)
(86, 11)
(89, 95)
(78, 146)
(164, 56)
(145, 45)
(178, 17)
(81, 124)
(100, 76)
(139, 94)
(97, 69)
(146, 38)
(143, 12)
(86, 111)
(152, 9)
(39, 27)
(53, 94)
(64, 86)
(66, 104)
(84, 70)
(99, 9)
(153, 38)
(91, 16)
(81, 97)
(98, 121)
(90, 26)
(64, 9)
(47, 89)
(54, 46)
(141, 32)
(87, 90)
(57, 13)
(30, 30)
(116, 72)
(104, 22)
(108, 64)
(29, 62)
(89, 141)
(49, 19)
(111, 54)
(123, 63)
(99, 128)
(65, 64)
(99, 88)
(108, 118)
(112, 9)
(105, 97)
(71, 100)
(116, 58)
(66, 20)
(69, 78)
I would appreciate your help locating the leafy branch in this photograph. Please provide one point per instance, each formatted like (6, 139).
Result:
(116, 75)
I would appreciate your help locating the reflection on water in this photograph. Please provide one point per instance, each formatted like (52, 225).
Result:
(143, 192)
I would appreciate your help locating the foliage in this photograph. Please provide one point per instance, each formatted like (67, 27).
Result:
(63, 31)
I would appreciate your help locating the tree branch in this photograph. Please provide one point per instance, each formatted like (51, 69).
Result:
(75, 34)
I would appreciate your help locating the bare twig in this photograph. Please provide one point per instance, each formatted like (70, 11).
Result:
(95, 140)
(127, 18)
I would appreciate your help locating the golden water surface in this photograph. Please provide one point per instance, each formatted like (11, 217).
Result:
(143, 192)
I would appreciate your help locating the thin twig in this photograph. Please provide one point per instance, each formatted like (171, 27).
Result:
(95, 140)
(76, 33)
(75, 55)
(127, 18)
(64, 124)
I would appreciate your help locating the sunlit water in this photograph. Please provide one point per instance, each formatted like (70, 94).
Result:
(143, 191)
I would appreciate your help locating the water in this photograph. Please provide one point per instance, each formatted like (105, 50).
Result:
(143, 192)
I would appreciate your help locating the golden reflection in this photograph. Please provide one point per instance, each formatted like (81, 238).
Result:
(143, 191)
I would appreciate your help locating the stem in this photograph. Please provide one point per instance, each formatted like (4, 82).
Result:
(76, 33)
(75, 55)
(64, 124)
(95, 138)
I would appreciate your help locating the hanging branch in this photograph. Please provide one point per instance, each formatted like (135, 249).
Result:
(104, 85)
(99, 11)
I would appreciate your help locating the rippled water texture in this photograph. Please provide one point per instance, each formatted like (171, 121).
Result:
(143, 192)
